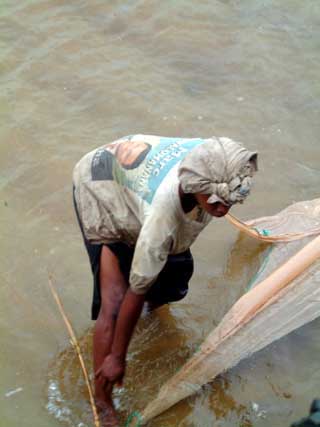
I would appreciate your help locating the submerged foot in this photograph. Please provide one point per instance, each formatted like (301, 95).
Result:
(107, 414)
(109, 420)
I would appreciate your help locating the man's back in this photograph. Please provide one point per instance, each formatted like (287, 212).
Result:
(117, 185)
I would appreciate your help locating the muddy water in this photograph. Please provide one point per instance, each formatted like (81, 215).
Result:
(77, 74)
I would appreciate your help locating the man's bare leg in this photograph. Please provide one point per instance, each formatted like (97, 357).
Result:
(113, 287)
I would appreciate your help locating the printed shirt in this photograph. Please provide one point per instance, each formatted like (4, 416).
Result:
(128, 191)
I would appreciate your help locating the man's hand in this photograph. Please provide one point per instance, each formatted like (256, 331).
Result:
(112, 370)
(113, 366)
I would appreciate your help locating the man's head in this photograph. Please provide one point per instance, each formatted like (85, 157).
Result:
(219, 173)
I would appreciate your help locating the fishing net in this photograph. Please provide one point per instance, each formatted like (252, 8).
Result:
(283, 295)
(291, 230)
(293, 223)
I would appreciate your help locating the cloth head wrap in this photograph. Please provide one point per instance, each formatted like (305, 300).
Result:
(220, 167)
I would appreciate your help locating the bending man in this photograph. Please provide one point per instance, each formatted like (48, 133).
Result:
(141, 202)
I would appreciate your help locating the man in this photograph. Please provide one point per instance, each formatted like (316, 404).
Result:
(141, 202)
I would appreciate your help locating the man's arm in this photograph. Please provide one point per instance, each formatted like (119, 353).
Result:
(151, 252)
(113, 367)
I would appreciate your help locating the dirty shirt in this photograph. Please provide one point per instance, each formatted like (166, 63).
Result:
(128, 191)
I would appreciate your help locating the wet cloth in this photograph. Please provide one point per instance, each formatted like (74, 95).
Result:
(128, 191)
(171, 284)
(220, 167)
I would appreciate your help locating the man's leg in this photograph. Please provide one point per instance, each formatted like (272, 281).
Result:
(110, 286)
(113, 287)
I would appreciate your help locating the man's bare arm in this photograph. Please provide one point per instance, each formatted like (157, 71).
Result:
(113, 367)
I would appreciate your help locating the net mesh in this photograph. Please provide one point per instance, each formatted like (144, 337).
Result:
(283, 295)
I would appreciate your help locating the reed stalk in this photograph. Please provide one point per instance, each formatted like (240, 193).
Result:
(284, 237)
(75, 344)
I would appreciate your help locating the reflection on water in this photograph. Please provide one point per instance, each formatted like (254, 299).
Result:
(67, 393)
(158, 350)
(164, 340)
(245, 256)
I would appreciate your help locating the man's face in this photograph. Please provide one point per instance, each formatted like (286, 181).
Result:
(216, 209)
(128, 151)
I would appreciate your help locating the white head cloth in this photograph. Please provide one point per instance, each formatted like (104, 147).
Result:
(220, 167)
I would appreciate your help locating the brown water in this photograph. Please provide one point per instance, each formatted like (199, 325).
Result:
(77, 74)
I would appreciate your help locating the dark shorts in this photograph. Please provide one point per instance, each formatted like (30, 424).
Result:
(170, 285)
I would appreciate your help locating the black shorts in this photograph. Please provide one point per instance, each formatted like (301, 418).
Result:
(170, 285)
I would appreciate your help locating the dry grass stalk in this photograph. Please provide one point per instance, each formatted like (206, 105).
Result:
(75, 343)
(284, 237)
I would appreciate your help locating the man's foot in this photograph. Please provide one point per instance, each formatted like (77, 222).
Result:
(107, 414)
(109, 419)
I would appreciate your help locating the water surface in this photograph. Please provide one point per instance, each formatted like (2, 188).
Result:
(78, 74)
